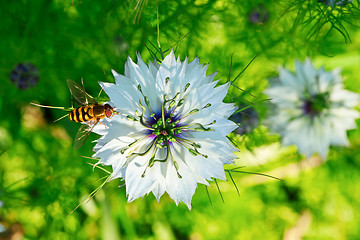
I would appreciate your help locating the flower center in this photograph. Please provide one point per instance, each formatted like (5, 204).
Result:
(314, 105)
(165, 132)
(166, 127)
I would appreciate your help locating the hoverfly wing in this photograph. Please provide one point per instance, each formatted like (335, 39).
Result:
(79, 93)
(83, 134)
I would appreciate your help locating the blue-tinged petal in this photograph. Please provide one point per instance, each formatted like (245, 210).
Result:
(180, 188)
(122, 81)
(167, 69)
(153, 68)
(125, 101)
(288, 79)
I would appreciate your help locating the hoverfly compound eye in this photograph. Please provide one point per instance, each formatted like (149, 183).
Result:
(108, 107)
(108, 110)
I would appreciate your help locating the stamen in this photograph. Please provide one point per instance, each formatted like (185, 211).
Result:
(199, 128)
(177, 169)
(176, 165)
(181, 102)
(153, 160)
(153, 116)
(176, 95)
(131, 118)
(186, 86)
(139, 88)
(187, 141)
(146, 99)
(133, 143)
(150, 164)
(192, 151)
(212, 123)
(142, 107)
(194, 111)
(146, 125)
(195, 152)
(205, 156)
(143, 153)
(173, 124)
(207, 105)
(147, 102)
(171, 104)
(163, 113)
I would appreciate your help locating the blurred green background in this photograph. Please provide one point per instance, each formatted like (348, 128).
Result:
(42, 178)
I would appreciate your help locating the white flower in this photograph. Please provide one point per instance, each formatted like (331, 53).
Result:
(313, 110)
(170, 133)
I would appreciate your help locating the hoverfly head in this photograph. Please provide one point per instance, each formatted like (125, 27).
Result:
(108, 110)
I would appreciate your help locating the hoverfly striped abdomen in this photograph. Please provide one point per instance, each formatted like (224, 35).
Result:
(82, 114)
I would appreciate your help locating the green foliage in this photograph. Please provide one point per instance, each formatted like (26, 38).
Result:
(42, 178)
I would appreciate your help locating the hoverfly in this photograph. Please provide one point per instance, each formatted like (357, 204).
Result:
(90, 112)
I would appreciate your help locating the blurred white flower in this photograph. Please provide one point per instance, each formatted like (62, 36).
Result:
(171, 130)
(312, 109)
(2, 227)
(332, 3)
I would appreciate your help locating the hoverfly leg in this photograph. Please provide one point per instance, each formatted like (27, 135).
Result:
(61, 117)
(98, 96)
(72, 100)
(102, 124)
